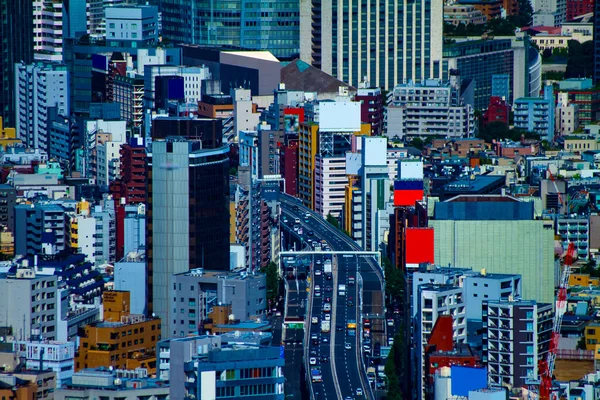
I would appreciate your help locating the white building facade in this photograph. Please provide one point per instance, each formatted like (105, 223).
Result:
(431, 108)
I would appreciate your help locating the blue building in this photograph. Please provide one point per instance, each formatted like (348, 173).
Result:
(501, 86)
(236, 371)
(536, 114)
(36, 224)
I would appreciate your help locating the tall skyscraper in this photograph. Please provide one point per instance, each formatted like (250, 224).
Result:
(387, 42)
(252, 24)
(187, 204)
(16, 45)
(39, 87)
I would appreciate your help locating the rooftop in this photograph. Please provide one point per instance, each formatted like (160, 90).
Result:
(301, 76)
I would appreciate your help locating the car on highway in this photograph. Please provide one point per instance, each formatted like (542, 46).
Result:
(306, 215)
(297, 220)
(339, 327)
(296, 228)
(347, 346)
(324, 359)
(312, 361)
(377, 350)
(390, 322)
(317, 288)
(325, 339)
(285, 220)
(318, 272)
(328, 289)
(327, 307)
(391, 341)
(350, 302)
(319, 262)
(313, 352)
(327, 317)
(310, 233)
(314, 320)
(359, 392)
(328, 276)
(317, 294)
(327, 299)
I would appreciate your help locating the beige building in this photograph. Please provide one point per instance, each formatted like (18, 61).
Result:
(463, 13)
(566, 115)
(578, 144)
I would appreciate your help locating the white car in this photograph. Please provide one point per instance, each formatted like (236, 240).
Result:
(347, 346)
(327, 317)
(317, 288)
(318, 272)
(314, 320)
(312, 361)
(358, 391)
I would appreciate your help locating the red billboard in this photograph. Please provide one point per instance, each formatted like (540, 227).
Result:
(407, 198)
(419, 245)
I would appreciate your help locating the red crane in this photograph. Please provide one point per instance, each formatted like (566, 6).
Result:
(546, 367)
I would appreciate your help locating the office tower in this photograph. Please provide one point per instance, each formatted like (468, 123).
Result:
(501, 221)
(187, 204)
(16, 31)
(516, 336)
(251, 24)
(38, 87)
(386, 42)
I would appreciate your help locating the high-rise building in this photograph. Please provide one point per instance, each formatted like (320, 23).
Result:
(38, 87)
(34, 304)
(387, 42)
(128, 25)
(187, 204)
(516, 336)
(47, 30)
(500, 222)
(250, 24)
(536, 114)
(16, 29)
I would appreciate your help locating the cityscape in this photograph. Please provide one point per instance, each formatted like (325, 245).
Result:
(300, 199)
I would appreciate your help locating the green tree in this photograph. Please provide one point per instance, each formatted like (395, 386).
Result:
(272, 280)
(581, 344)
(417, 143)
(394, 280)
(333, 221)
(580, 62)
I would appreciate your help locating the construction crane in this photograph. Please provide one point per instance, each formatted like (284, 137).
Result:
(546, 367)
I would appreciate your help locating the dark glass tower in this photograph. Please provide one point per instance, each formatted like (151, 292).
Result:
(187, 205)
(251, 24)
(597, 42)
(16, 45)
